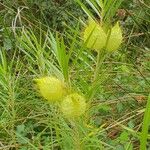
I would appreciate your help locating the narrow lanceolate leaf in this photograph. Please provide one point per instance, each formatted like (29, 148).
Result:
(145, 127)
(85, 9)
(58, 48)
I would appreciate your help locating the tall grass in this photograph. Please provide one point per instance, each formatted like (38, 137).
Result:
(114, 86)
(145, 127)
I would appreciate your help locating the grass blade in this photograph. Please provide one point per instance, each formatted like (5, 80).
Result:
(146, 122)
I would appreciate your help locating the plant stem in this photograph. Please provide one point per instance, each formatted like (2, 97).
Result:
(77, 144)
(100, 59)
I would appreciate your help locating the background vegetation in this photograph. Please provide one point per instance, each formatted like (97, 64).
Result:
(40, 38)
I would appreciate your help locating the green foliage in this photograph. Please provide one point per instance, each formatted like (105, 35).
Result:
(116, 86)
(145, 127)
(105, 10)
(53, 13)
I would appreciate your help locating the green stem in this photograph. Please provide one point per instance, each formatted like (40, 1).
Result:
(76, 135)
(100, 59)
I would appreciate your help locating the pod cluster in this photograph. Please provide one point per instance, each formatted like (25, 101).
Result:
(54, 90)
(97, 38)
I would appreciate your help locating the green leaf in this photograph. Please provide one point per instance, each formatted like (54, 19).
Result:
(145, 126)
(124, 136)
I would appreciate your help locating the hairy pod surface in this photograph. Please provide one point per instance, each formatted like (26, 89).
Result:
(73, 106)
(94, 36)
(114, 38)
(51, 88)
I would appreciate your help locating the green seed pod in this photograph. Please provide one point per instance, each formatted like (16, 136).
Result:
(114, 38)
(73, 105)
(51, 88)
(94, 36)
